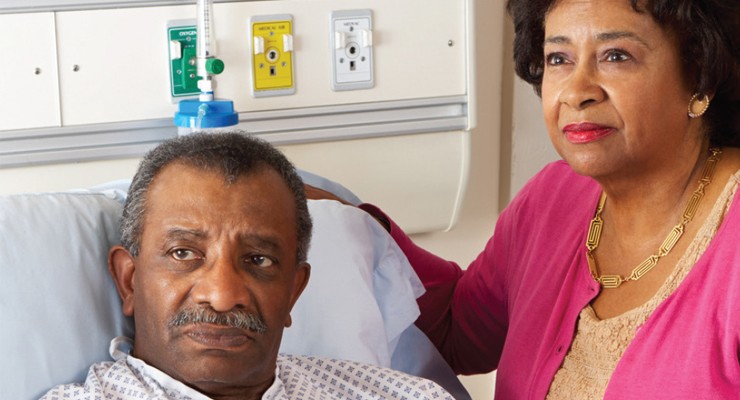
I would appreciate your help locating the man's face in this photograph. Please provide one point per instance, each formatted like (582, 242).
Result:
(209, 248)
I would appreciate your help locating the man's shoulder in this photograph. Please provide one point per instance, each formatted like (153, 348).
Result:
(92, 388)
(81, 390)
(350, 379)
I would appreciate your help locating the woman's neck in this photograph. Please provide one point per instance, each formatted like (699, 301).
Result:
(650, 202)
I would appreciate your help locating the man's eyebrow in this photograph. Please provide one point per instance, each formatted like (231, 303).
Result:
(184, 233)
(601, 37)
(262, 241)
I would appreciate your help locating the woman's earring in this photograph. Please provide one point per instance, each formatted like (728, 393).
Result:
(698, 106)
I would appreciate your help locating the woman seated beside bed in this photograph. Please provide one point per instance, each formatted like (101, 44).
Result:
(614, 273)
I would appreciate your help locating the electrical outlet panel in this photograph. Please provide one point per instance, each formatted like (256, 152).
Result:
(181, 35)
(352, 49)
(272, 61)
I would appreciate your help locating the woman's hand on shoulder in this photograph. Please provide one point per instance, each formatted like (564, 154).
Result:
(314, 193)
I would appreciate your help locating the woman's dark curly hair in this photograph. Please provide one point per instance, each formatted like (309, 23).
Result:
(709, 34)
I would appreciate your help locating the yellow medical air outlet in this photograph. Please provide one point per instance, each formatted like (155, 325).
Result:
(272, 58)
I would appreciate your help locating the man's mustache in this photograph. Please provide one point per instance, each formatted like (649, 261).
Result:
(240, 319)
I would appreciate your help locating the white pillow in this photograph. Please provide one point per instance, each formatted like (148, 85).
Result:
(360, 303)
(60, 308)
(365, 286)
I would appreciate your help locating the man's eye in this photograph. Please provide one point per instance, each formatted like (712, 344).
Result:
(183, 254)
(261, 261)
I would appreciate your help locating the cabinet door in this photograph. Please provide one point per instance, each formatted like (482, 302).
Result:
(114, 64)
(28, 72)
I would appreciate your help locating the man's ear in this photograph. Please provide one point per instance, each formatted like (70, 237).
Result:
(300, 281)
(121, 267)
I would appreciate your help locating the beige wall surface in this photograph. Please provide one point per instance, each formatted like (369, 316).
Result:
(525, 146)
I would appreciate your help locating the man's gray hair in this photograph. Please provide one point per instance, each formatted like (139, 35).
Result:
(232, 154)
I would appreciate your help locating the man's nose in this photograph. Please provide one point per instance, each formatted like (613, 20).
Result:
(222, 286)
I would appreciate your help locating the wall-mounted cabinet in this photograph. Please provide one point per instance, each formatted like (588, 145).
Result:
(28, 72)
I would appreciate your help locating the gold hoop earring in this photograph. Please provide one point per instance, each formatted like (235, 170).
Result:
(697, 107)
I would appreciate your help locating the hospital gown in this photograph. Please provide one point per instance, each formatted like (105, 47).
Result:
(297, 377)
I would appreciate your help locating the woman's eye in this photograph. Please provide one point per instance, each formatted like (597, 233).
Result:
(261, 261)
(183, 254)
(555, 59)
(617, 56)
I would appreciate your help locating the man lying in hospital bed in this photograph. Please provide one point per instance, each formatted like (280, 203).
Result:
(62, 309)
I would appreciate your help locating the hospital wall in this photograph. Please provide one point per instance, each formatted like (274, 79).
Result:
(100, 93)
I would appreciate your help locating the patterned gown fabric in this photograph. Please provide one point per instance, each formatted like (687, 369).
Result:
(297, 377)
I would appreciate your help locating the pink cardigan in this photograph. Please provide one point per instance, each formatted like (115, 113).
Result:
(515, 307)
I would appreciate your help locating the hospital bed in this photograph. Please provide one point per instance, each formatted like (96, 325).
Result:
(60, 309)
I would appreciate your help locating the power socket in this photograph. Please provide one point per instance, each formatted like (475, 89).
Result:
(351, 37)
(272, 55)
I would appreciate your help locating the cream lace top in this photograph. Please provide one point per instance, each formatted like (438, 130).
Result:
(598, 344)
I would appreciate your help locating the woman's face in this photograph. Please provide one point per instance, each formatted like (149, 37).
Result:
(613, 94)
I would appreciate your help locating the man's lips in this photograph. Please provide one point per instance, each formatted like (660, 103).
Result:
(585, 132)
(215, 336)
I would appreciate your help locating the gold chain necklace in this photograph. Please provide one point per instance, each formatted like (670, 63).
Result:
(594, 231)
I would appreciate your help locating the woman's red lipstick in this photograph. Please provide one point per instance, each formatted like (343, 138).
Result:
(585, 132)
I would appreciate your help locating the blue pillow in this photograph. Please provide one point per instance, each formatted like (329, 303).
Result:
(59, 307)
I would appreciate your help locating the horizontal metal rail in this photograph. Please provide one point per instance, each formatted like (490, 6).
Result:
(26, 147)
